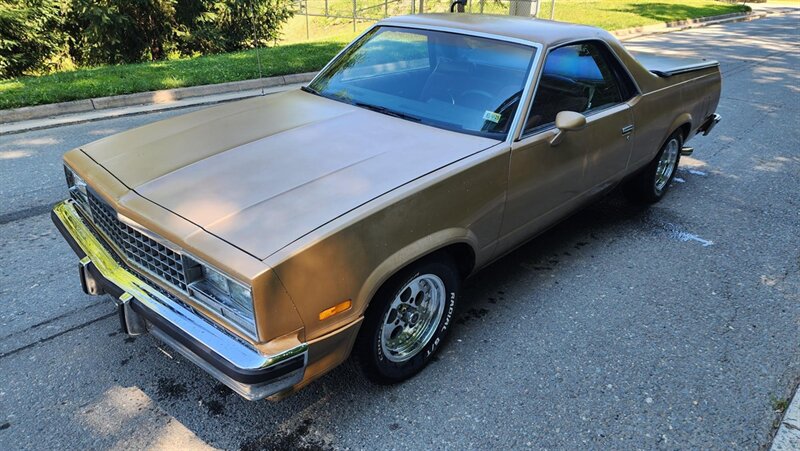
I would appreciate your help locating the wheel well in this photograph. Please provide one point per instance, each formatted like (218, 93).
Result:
(685, 129)
(463, 256)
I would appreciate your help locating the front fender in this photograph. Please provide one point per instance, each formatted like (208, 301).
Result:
(410, 253)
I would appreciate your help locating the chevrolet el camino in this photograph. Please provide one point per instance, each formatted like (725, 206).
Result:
(268, 239)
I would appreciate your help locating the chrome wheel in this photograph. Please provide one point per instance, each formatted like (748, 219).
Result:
(666, 164)
(413, 317)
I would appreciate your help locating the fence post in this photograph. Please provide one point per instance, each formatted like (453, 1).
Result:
(552, 9)
(520, 8)
(385, 8)
(308, 35)
(481, 3)
(354, 16)
(326, 7)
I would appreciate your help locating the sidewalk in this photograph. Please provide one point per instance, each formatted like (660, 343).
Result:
(46, 116)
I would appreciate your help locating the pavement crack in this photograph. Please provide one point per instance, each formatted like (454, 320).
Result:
(744, 65)
(25, 213)
(790, 426)
(54, 336)
(52, 320)
(752, 126)
(753, 102)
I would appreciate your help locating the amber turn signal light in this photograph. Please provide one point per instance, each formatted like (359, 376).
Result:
(338, 308)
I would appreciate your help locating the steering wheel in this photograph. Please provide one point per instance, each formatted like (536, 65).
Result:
(473, 94)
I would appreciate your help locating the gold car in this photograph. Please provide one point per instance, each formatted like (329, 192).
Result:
(269, 239)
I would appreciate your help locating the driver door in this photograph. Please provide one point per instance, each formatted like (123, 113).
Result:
(548, 182)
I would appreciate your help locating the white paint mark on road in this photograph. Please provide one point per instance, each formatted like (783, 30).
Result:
(696, 172)
(685, 236)
(679, 180)
(677, 233)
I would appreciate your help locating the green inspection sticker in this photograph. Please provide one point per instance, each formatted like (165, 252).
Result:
(491, 116)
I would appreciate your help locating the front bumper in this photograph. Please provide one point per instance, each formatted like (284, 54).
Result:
(143, 306)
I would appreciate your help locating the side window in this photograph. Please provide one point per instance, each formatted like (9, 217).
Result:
(582, 78)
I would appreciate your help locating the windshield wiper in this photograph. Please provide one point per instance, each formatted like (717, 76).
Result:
(387, 111)
(311, 90)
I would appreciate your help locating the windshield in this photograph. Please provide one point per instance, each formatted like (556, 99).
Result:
(458, 82)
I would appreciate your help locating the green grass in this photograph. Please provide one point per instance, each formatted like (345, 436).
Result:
(607, 14)
(619, 14)
(779, 405)
(296, 53)
(126, 79)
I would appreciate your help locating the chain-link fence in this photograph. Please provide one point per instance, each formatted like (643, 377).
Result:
(320, 19)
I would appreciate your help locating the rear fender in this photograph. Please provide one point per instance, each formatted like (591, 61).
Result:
(679, 121)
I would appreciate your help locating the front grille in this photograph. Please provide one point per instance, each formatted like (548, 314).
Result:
(137, 248)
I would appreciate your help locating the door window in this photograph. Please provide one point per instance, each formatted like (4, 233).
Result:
(580, 77)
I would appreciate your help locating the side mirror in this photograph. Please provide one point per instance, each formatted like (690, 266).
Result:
(567, 121)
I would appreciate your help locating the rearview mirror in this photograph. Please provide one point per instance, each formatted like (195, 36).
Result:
(567, 121)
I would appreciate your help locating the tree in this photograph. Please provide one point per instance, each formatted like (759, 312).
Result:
(31, 36)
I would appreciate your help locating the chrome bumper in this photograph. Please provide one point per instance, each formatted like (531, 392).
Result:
(143, 307)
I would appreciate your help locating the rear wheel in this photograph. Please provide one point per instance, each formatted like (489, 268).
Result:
(407, 321)
(652, 183)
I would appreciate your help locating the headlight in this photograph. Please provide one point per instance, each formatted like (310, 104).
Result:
(77, 186)
(229, 298)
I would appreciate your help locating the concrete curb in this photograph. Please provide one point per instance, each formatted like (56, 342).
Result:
(143, 102)
(788, 436)
(111, 113)
(147, 98)
(686, 23)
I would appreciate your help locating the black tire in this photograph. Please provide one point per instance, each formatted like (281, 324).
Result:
(375, 361)
(644, 186)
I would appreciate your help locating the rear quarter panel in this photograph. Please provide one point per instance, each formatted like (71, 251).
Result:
(665, 104)
(676, 101)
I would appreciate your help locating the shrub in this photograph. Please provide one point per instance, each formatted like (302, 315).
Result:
(41, 35)
(208, 26)
(120, 31)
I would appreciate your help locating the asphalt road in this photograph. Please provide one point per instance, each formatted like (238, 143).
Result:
(676, 326)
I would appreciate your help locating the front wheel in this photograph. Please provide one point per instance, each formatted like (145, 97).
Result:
(654, 180)
(408, 321)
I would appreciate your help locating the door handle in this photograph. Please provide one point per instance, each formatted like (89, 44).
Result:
(627, 129)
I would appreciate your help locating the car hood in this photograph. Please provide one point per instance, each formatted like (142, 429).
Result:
(263, 172)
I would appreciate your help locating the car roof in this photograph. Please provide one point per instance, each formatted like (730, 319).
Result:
(544, 32)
